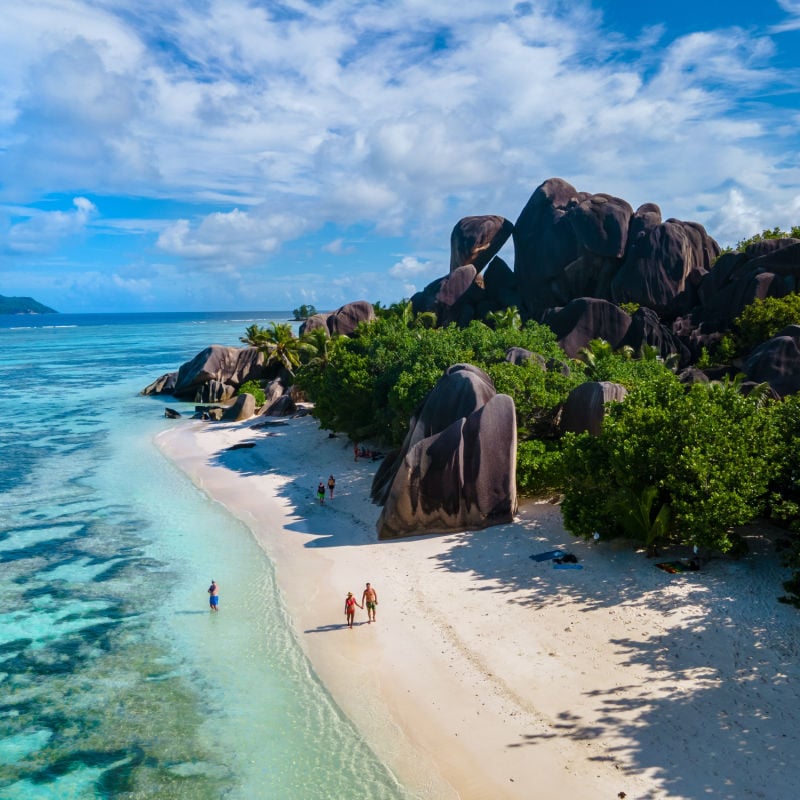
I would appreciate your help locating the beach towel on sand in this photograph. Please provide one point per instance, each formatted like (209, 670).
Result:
(548, 556)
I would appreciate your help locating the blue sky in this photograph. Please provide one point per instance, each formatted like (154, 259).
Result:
(253, 154)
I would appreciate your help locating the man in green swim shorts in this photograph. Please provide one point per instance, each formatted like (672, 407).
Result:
(370, 598)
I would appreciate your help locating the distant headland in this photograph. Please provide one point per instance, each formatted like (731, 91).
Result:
(23, 305)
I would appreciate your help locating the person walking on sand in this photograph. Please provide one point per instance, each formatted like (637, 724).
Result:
(370, 597)
(350, 604)
(331, 485)
(213, 596)
(321, 492)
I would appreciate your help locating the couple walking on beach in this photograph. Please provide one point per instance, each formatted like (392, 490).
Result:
(321, 488)
(368, 598)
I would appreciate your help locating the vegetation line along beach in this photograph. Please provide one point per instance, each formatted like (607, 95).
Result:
(566, 533)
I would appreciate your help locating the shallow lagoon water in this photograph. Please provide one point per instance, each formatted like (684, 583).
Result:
(115, 679)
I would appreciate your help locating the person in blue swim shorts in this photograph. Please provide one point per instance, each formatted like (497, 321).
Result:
(213, 596)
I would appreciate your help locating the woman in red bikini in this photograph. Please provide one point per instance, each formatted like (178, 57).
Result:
(350, 604)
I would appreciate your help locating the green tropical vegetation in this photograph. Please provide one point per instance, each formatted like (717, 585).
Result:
(278, 343)
(764, 319)
(303, 312)
(254, 388)
(672, 464)
(774, 233)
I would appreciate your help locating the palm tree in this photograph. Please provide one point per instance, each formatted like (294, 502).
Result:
(635, 514)
(316, 343)
(649, 353)
(593, 354)
(425, 319)
(254, 336)
(402, 311)
(283, 346)
(509, 319)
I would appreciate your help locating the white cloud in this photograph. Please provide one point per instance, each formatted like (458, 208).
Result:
(792, 8)
(263, 122)
(337, 247)
(227, 239)
(411, 267)
(43, 231)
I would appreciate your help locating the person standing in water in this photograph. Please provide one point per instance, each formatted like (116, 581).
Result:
(350, 604)
(321, 492)
(370, 597)
(331, 485)
(213, 596)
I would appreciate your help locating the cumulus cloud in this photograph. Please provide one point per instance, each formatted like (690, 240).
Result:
(42, 231)
(411, 267)
(223, 239)
(261, 122)
(338, 247)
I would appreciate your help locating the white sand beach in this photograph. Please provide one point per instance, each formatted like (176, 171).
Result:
(489, 675)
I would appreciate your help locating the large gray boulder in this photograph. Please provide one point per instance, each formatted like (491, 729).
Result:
(452, 299)
(462, 478)
(600, 223)
(214, 392)
(476, 240)
(585, 406)
(313, 322)
(282, 406)
(587, 318)
(500, 285)
(544, 243)
(664, 262)
(163, 385)
(777, 362)
(423, 490)
(647, 329)
(343, 321)
(243, 408)
(272, 391)
(228, 365)
(462, 390)
(347, 318)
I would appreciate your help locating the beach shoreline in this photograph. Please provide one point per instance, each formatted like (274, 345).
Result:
(490, 675)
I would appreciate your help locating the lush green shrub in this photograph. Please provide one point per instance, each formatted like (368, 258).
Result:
(538, 394)
(706, 453)
(784, 503)
(763, 319)
(253, 388)
(374, 382)
(539, 468)
(600, 362)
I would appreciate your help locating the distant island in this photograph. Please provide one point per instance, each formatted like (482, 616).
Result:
(23, 305)
(304, 312)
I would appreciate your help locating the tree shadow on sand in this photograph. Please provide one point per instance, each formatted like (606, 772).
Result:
(333, 524)
(722, 678)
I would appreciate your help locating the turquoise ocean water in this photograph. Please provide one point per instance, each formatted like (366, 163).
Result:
(115, 679)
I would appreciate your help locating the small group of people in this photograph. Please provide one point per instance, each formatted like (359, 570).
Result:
(362, 452)
(369, 598)
(321, 488)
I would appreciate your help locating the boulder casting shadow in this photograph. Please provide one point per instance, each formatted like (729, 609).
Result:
(457, 468)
